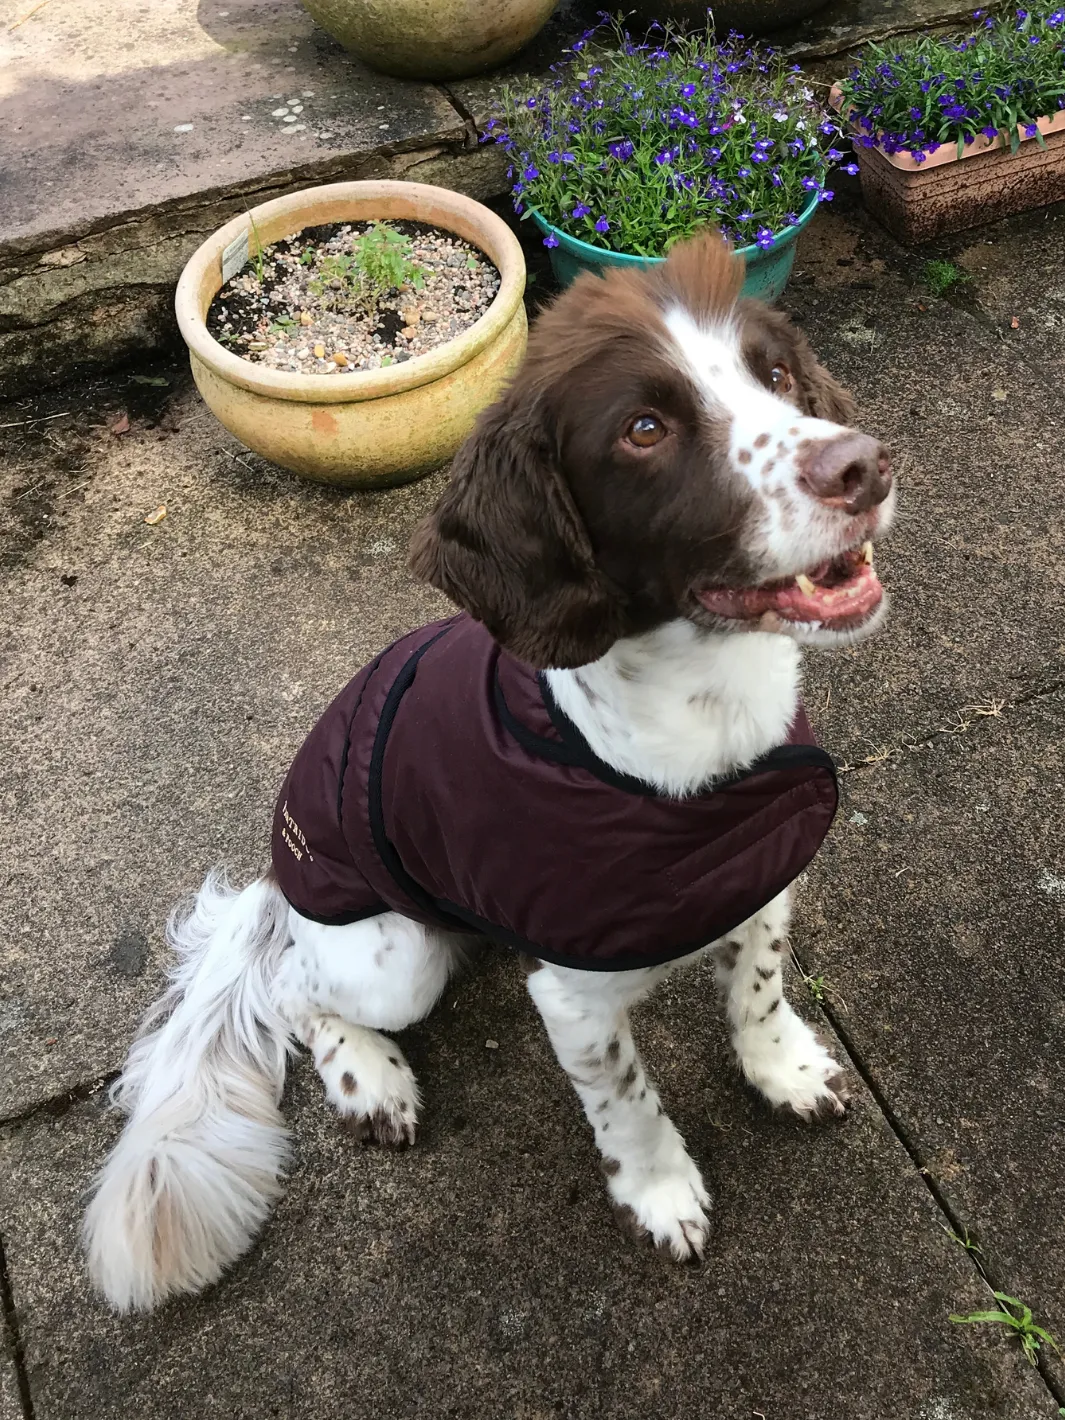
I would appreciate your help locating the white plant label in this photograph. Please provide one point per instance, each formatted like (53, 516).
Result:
(235, 256)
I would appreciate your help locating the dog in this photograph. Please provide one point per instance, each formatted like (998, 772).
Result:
(665, 505)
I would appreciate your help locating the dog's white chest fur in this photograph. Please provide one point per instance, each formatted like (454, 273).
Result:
(680, 706)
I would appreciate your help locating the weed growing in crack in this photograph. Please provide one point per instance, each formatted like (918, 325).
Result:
(941, 276)
(1019, 1319)
(820, 988)
(965, 1241)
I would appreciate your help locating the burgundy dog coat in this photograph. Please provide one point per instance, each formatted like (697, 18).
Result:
(446, 784)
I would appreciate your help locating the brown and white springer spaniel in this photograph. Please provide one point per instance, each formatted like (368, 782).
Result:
(665, 504)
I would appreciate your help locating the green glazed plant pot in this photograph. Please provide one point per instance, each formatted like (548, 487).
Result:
(768, 268)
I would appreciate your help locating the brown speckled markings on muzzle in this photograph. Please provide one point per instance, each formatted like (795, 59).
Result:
(560, 533)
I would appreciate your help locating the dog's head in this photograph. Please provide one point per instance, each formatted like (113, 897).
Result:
(667, 450)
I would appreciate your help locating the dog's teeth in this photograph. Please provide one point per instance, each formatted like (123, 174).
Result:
(805, 585)
(867, 553)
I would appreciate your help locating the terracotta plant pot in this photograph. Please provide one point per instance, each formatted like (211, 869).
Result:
(432, 39)
(919, 201)
(376, 427)
(748, 17)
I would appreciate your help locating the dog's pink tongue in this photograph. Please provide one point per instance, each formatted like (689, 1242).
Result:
(856, 596)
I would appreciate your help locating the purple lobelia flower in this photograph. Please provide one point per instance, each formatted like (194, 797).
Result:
(602, 225)
(550, 240)
(581, 210)
(764, 238)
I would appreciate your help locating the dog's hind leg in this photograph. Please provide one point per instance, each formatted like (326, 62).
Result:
(340, 987)
(655, 1187)
(777, 1051)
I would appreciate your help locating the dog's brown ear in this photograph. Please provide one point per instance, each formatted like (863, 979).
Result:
(507, 543)
(824, 397)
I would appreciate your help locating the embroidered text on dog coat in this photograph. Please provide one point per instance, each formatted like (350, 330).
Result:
(444, 783)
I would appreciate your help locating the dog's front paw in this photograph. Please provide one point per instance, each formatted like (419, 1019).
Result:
(664, 1206)
(795, 1070)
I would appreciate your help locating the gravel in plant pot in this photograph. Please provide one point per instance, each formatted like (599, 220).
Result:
(634, 144)
(954, 132)
(345, 297)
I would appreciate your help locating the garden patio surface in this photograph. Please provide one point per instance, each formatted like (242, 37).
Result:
(155, 682)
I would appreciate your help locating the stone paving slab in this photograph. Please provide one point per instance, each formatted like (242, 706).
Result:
(93, 735)
(154, 103)
(937, 913)
(152, 700)
(10, 1401)
(136, 656)
(480, 1274)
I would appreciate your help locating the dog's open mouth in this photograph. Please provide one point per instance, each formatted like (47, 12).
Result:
(838, 595)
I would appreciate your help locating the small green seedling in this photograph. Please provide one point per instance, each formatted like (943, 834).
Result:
(819, 987)
(379, 262)
(260, 265)
(306, 256)
(282, 325)
(816, 985)
(1031, 1336)
(383, 258)
(964, 1241)
(942, 276)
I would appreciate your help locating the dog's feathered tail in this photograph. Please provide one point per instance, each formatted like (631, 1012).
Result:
(200, 1160)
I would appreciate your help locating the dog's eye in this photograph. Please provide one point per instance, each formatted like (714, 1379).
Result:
(646, 431)
(780, 379)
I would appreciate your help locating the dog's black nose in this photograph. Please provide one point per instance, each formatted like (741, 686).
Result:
(851, 471)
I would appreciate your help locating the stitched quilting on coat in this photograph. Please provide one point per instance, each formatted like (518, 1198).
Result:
(445, 783)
